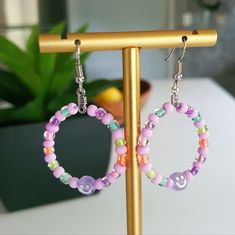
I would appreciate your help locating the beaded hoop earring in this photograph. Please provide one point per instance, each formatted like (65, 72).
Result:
(178, 180)
(86, 184)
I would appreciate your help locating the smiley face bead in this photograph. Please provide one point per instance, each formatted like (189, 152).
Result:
(179, 181)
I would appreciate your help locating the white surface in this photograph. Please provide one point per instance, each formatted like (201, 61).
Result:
(207, 206)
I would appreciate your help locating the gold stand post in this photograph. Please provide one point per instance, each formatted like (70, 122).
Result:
(131, 84)
(130, 42)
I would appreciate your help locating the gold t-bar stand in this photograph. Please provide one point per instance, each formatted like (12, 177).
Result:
(130, 44)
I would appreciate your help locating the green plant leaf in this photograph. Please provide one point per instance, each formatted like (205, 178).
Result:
(47, 61)
(31, 112)
(19, 63)
(12, 90)
(32, 47)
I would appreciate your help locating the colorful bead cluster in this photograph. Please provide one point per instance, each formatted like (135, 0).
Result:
(86, 184)
(177, 181)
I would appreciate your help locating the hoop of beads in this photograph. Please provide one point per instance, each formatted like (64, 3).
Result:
(177, 181)
(86, 184)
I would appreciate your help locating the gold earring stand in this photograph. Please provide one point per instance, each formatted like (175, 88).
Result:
(130, 44)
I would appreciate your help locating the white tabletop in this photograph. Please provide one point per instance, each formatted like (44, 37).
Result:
(207, 206)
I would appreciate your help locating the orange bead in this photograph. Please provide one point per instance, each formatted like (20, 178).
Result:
(143, 159)
(48, 150)
(121, 159)
(203, 143)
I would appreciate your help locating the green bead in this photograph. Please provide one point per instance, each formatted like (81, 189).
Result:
(163, 182)
(151, 173)
(197, 118)
(202, 130)
(65, 112)
(65, 178)
(120, 142)
(113, 125)
(53, 165)
(160, 112)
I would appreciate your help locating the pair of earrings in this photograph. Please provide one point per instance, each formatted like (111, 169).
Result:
(87, 184)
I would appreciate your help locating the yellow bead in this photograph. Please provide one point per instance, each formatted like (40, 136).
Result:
(151, 173)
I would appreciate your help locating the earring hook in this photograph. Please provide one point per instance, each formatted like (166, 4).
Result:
(77, 42)
(184, 40)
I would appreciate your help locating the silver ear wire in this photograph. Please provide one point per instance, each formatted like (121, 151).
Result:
(178, 73)
(81, 93)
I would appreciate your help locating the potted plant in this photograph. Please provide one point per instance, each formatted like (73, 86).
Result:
(35, 86)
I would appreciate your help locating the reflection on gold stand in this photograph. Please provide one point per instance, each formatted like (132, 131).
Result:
(130, 43)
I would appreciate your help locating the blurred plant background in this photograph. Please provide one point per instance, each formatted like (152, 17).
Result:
(33, 85)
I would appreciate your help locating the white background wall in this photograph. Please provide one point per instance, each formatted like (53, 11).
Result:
(121, 15)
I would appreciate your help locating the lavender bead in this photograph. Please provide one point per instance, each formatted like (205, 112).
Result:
(86, 185)
(179, 181)
(105, 181)
(100, 113)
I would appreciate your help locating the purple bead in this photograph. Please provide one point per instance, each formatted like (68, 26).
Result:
(99, 113)
(105, 181)
(179, 181)
(190, 110)
(54, 121)
(194, 170)
(86, 185)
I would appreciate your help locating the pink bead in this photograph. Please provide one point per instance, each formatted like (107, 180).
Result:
(91, 110)
(50, 157)
(197, 164)
(200, 123)
(72, 108)
(52, 128)
(119, 169)
(204, 135)
(157, 179)
(168, 107)
(48, 143)
(73, 183)
(59, 116)
(145, 168)
(98, 184)
(107, 118)
(188, 175)
(193, 114)
(58, 171)
(143, 150)
(48, 135)
(153, 118)
(143, 141)
(118, 134)
(182, 108)
(111, 179)
(202, 151)
(169, 183)
(146, 132)
(121, 149)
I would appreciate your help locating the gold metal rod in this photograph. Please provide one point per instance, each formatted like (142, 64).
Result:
(131, 84)
(119, 40)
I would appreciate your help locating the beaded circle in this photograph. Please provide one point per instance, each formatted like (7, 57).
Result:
(178, 180)
(86, 184)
